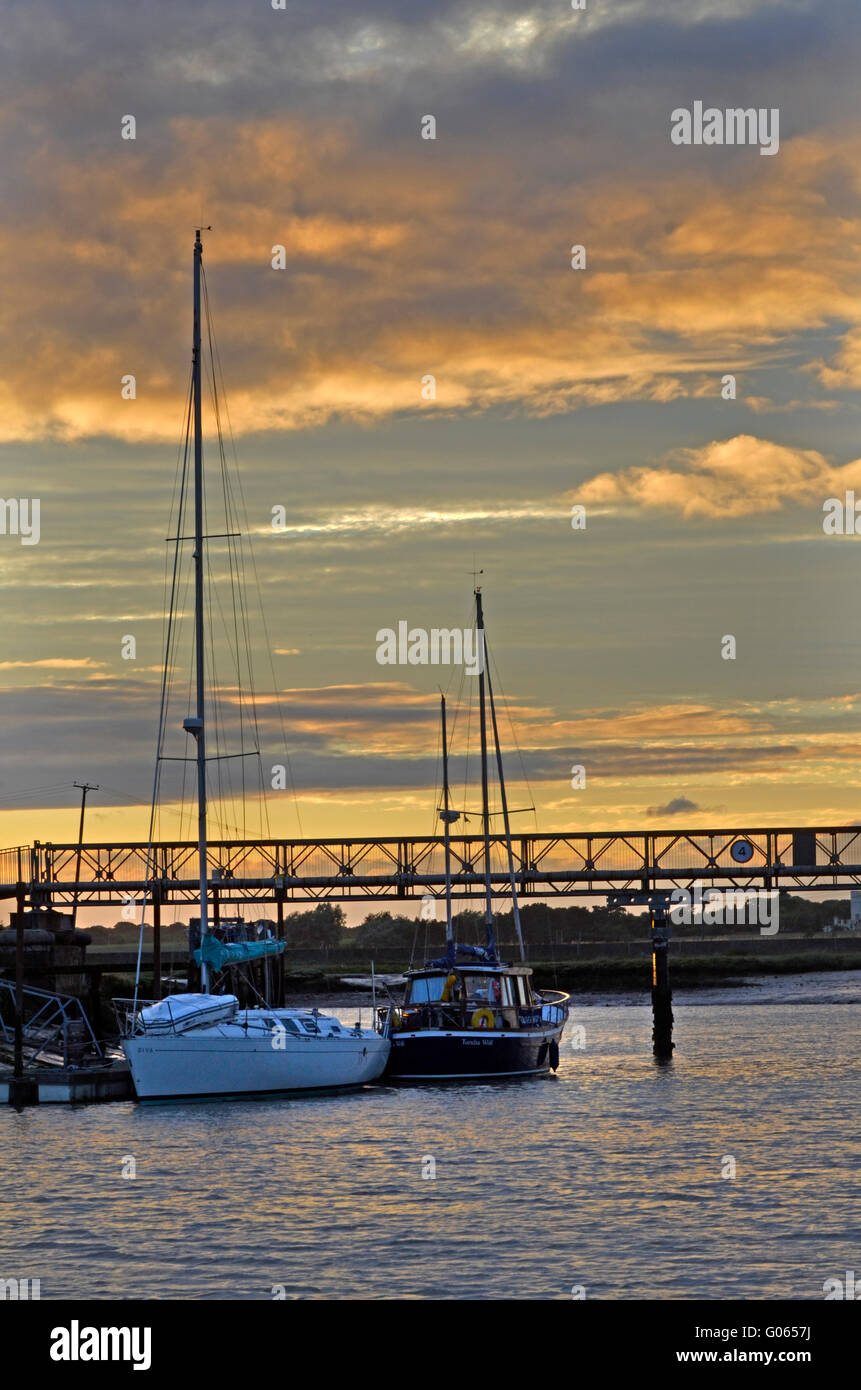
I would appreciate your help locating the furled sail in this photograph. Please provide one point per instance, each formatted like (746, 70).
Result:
(220, 953)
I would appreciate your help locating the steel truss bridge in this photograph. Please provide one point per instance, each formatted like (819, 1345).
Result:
(624, 866)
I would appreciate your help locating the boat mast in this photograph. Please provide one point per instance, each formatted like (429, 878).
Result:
(515, 905)
(485, 807)
(447, 818)
(195, 726)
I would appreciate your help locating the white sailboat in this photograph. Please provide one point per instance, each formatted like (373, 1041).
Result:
(195, 1045)
(203, 1044)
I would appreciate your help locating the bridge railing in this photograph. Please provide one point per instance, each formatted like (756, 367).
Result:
(15, 864)
(565, 864)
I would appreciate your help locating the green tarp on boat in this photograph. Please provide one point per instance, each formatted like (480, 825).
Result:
(220, 953)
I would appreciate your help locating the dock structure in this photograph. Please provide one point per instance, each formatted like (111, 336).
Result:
(66, 1085)
(54, 1053)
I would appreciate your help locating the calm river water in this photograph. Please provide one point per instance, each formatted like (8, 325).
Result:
(607, 1176)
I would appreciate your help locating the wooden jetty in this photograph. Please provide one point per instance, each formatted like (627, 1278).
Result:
(67, 1085)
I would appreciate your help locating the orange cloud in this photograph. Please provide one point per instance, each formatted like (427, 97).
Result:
(399, 276)
(52, 663)
(727, 478)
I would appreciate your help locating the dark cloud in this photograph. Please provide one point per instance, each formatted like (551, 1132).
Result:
(679, 805)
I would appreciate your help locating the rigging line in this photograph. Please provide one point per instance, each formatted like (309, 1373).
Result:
(175, 603)
(186, 581)
(171, 622)
(252, 711)
(258, 590)
(236, 558)
(245, 753)
(467, 704)
(223, 790)
(225, 484)
(185, 811)
(437, 781)
(174, 510)
(514, 737)
(160, 737)
(222, 785)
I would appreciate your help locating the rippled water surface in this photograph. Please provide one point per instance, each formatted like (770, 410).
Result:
(608, 1175)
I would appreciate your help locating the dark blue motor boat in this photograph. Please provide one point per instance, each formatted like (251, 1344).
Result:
(468, 1015)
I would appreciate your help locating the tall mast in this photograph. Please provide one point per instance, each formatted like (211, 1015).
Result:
(447, 818)
(485, 806)
(515, 906)
(195, 726)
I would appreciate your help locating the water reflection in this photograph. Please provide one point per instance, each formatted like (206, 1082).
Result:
(608, 1175)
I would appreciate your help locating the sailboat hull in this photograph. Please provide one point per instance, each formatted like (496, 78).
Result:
(212, 1062)
(472, 1054)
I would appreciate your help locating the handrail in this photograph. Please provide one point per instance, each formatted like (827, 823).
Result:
(52, 1018)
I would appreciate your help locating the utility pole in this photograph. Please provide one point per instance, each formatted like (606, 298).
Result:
(83, 788)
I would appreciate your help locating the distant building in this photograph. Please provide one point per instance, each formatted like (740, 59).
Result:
(852, 923)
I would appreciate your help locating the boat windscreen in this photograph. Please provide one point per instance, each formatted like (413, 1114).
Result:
(426, 989)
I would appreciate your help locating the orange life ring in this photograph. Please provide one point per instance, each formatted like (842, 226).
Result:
(482, 1018)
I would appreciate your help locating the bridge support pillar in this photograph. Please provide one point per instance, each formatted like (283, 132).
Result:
(280, 963)
(156, 942)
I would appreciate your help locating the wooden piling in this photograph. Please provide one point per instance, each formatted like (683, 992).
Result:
(22, 1090)
(18, 1065)
(662, 994)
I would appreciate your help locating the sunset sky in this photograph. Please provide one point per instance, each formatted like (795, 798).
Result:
(451, 257)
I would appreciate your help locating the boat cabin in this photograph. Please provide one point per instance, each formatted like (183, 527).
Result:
(470, 996)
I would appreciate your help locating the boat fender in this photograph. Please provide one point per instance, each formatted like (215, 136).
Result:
(482, 1018)
(554, 1055)
(497, 991)
(445, 997)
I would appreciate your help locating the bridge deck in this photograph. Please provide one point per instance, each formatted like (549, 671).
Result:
(565, 864)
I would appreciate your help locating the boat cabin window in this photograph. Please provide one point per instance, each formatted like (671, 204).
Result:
(426, 990)
(494, 990)
(487, 988)
(519, 984)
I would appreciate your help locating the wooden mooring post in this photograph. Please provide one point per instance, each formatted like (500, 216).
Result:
(22, 1090)
(662, 994)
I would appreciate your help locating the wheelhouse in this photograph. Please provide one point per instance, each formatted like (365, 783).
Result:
(471, 996)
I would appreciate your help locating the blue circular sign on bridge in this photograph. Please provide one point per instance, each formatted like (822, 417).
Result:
(742, 851)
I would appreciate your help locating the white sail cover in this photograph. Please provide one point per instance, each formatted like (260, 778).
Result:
(182, 1011)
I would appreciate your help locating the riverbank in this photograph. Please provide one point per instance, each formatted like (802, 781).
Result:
(608, 975)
